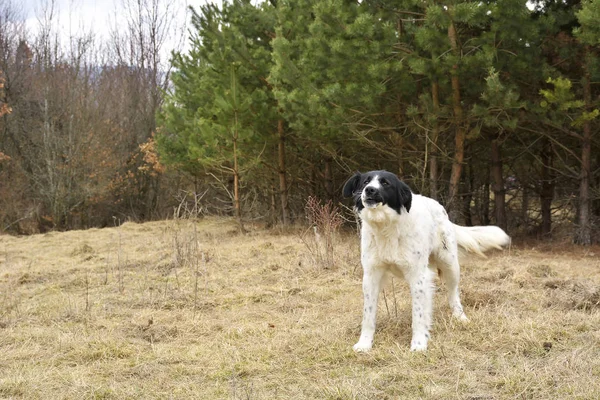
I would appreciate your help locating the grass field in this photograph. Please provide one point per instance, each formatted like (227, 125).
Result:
(182, 310)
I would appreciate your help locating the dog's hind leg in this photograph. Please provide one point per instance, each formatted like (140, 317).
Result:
(451, 277)
(371, 284)
(447, 261)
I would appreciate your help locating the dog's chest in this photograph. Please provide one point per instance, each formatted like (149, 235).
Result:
(390, 239)
(385, 248)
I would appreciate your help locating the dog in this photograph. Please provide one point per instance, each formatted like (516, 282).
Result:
(408, 235)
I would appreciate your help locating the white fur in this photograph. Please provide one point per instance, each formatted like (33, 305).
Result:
(414, 245)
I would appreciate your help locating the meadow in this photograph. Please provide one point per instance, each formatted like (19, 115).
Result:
(194, 310)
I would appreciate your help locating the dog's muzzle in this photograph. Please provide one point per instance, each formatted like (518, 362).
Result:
(371, 197)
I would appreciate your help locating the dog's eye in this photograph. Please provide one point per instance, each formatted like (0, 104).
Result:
(384, 182)
(367, 181)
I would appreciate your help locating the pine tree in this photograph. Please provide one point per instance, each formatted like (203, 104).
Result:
(569, 104)
(589, 35)
(330, 72)
(221, 113)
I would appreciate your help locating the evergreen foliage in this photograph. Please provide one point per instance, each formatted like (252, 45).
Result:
(430, 91)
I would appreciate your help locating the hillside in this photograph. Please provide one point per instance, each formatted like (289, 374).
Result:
(177, 310)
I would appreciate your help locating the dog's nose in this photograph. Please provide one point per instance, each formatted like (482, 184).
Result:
(370, 190)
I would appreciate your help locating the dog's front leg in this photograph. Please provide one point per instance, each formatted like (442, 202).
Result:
(371, 286)
(421, 290)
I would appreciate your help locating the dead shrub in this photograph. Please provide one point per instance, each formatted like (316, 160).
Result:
(190, 205)
(324, 222)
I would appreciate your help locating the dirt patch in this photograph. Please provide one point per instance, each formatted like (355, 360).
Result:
(83, 250)
(476, 298)
(152, 332)
(573, 294)
(541, 271)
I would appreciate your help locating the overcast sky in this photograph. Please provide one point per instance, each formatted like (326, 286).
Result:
(76, 17)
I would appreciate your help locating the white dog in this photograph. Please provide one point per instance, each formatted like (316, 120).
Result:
(409, 235)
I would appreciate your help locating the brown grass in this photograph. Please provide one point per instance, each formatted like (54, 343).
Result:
(135, 312)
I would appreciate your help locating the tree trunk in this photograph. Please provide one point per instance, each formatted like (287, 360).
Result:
(314, 186)
(283, 189)
(273, 208)
(236, 180)
(328, 178)
(547, 190)
(583, 234)
(399, 144)
(433, 154)
(595, 205)
(485, 199)
(460, 134)
(525, 206)
(468, 196)
(498, 186)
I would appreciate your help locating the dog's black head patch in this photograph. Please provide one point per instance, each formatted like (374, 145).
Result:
(378, 187)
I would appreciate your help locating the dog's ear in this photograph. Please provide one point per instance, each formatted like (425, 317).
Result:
(352, 184)
(404, 195)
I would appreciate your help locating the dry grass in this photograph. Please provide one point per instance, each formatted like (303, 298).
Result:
(135, 312)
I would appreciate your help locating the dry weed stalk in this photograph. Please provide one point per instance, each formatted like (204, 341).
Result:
(190, 205)
(204, 258)
(324, 220)
(185, 245)
(196, 247)
(106, 268)
(119, 272)
(187, 250)
(87, 291)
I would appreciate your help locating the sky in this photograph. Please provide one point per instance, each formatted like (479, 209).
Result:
(77, 17)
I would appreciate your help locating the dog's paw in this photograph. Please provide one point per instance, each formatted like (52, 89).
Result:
(362, 347)
(461, 317)
(418, 345)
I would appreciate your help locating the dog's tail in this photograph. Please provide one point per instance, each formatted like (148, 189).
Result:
(479, 239)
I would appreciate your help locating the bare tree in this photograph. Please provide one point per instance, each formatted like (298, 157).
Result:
(139, 40)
